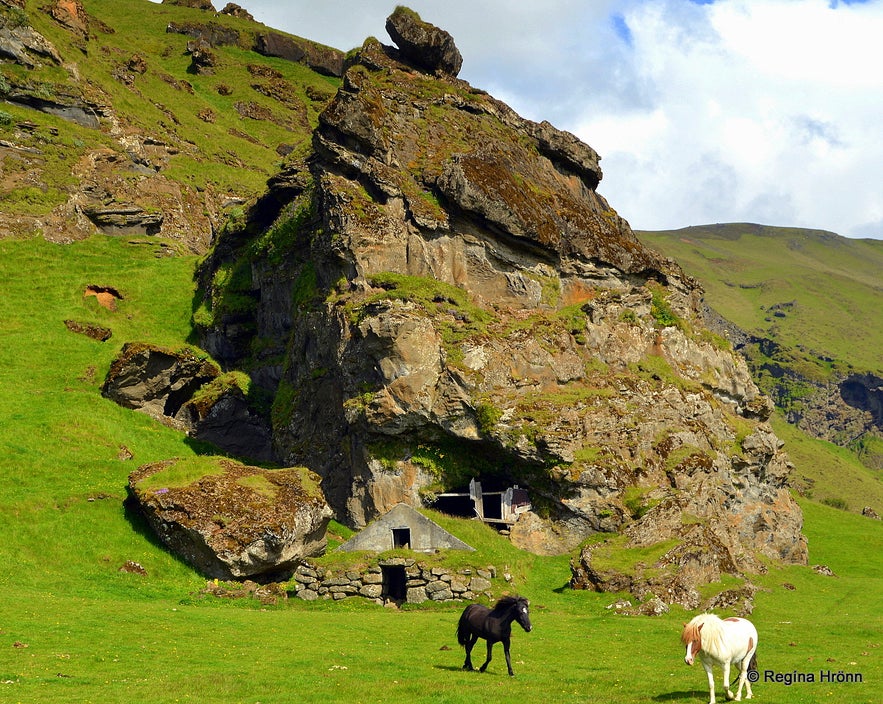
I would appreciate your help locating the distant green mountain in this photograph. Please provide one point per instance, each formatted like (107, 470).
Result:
(806, 306)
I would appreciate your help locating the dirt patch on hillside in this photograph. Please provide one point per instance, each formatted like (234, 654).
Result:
(106, 296)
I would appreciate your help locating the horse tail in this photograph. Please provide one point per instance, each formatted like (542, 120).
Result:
(463, 629)
(752, 667)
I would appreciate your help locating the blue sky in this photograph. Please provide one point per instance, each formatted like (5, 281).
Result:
(764, 111)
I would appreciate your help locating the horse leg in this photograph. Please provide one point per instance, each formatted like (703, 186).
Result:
(726, 666)
(508, 660)
(707, 667)
(490, 647)
(469, 645)
(743, 680)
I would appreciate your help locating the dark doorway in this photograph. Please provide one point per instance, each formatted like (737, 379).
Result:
(460, 505)
(394, 582)
(493, 506)
(401, 538)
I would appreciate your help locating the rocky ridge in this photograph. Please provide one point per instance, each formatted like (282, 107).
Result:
(438, 291)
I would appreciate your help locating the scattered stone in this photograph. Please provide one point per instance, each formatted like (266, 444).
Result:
(268, 594)
(203, 61)
(235, 10)
(96, 332)
(619, 605)
(653, 607)
(823, 570)
(133, 568)
(868, 512)
(137, 64)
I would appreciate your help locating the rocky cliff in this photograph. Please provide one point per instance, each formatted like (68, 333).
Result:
(438, 292)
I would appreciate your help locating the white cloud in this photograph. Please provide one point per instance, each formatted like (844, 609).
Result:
(769, 110)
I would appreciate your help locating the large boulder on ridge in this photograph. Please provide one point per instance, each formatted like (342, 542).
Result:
(422, 43)
(232, 521)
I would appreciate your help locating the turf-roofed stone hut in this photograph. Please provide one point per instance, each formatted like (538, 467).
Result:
(403, 527)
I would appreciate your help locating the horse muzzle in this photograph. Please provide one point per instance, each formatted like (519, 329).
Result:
(689, 660)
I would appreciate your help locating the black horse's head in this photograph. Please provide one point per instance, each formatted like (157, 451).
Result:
(520, 609)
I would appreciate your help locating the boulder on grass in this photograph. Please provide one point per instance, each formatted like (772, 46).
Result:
(230, 521)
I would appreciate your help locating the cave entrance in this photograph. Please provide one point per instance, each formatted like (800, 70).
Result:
(455, 504)
(494, 503)
(394, 582)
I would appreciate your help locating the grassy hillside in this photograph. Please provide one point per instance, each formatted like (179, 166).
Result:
(224, 131)
(816, 297)
(74, 628)
(806, 289)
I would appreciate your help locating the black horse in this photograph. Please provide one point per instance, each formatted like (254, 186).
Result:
(493, 625)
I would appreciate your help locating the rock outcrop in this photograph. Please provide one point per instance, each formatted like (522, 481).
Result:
(184, 389)
(452, 298)
(155, 380)
(234, 10)
(131, 173)
(231, 521)
(195, 4)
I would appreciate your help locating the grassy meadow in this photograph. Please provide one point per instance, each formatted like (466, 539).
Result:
(74, 628)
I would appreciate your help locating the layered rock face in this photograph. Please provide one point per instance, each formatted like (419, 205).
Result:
(452, 298)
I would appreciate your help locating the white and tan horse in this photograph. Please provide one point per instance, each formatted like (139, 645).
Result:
(722, 642)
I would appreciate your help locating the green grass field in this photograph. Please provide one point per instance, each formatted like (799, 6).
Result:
(74, 628)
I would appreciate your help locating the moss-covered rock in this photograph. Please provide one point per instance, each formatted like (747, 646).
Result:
(232, 521)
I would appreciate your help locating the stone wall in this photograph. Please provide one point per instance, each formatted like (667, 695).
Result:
(396, 579)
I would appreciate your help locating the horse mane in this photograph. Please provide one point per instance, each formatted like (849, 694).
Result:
(507, 601)
(712, 632)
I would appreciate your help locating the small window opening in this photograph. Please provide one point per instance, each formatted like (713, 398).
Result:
(401, 538)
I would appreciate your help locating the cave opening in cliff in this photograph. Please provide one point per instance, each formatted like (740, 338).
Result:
(491, 499)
